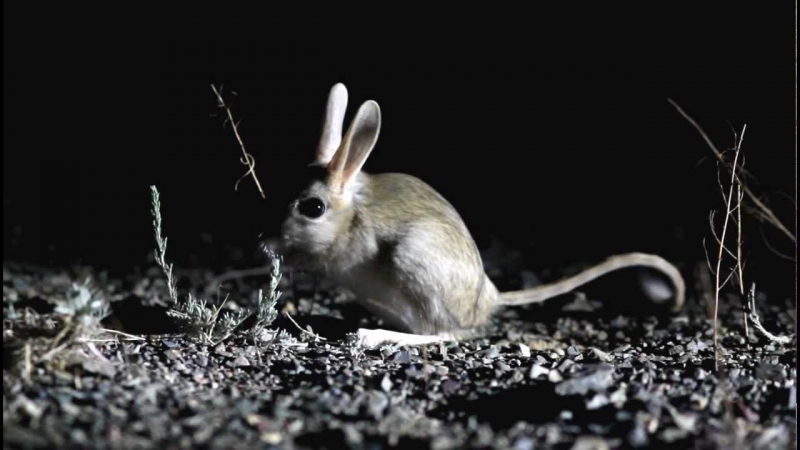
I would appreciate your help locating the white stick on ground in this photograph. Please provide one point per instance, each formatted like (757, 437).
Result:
(757, 321)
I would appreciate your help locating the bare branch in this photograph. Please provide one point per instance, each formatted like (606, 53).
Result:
(315, 336)
(765, 211)
(722, 248)
(716, 237)
(247, 159)
(773, 249)
(739, 264)
(757, 321)
(708, 258)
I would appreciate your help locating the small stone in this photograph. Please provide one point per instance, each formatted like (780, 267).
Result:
(491, 352)
(401, 357)
(352, 435)
(100, 367)
(450, 386)
(386, 383)
(241, 361)
(618, 397)
(523, 443)
(638, 436)
(539, 344)
(537, 371)
(232, 392)
(554, 376)
(598, 401)
(601, 355)
(271, 437)
(501, 366)
(696, 346)
(200, 378)
(676, 350)
(771, 372)
(673, 434)
(202, 360)
(597, 381)
(566, 365)
(378, 402)
(590, 443)
(524, 350)
(169, 343)
(698, 401)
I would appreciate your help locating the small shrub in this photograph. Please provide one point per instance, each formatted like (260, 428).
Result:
(209, 323)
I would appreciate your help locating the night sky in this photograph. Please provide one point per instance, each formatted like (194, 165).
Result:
(550, 131)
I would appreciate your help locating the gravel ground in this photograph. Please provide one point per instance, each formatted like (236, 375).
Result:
(573, 373)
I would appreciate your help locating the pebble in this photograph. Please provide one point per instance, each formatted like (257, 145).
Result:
(554, 376)
(601, 355)
(501, 366)
(241, 361)
(386, 383)
(401, 358)
(349, 398)
(172, 354)
(676, 350)
(489, 353)
(537, 371)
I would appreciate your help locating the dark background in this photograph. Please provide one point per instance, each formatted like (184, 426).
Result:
(549, 130)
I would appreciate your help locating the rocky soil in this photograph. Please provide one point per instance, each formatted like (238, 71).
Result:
(574, 373)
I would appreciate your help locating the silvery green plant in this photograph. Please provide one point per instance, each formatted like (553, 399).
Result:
(266, 311)
(161, 241)
(83, 305)
(209, 323)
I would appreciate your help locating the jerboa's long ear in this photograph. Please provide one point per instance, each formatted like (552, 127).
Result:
(358, 144)
(331, 136)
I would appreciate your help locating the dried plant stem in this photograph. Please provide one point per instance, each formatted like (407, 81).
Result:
(739, 264)
(730, 207)
(315, 336)
(757, 321)
(247, 159)
(129, 336)
(162, 245)
(720, 256)
(763, 210)
(26, 374)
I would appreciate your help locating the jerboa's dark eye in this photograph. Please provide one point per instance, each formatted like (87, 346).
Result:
(311, 207)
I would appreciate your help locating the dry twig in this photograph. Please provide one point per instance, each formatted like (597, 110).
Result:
(739, 263)
(247, 159)
(762, 211)
(315, 336)
(730, 207)
(757, 321)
